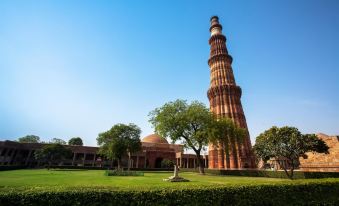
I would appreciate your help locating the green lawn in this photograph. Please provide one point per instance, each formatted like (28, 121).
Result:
(42, 179)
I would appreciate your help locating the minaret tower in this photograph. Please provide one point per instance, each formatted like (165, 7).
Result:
(224, 96)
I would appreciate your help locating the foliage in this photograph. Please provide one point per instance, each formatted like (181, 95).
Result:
(58, 141)
(29, 139)
(123, 173)
(75, 141)
(184, 122)
(225, 133)
(52, 153)
(166, 163)
(267, 173)
(289, 143)
(120, 140)
(315, 193)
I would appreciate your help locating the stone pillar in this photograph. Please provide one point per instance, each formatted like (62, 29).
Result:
(180, 161)
(137, 166)
(93, 163)
(83, 161)
(1, 158)
(12, 156)
(29, 155)
(145, 162)
(188, 161)
(194, 162)
(74, 156)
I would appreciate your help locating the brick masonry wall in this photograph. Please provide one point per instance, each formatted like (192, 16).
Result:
(323, 162)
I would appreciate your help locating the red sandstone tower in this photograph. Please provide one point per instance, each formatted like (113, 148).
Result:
(224, 96)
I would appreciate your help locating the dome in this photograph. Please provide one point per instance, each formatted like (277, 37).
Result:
(154, 138)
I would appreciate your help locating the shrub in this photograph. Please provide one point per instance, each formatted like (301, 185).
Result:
(166, 163)
(267, 173)
(123, 173)
(324, 192)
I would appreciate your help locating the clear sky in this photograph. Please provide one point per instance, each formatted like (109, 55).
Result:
(75, 68)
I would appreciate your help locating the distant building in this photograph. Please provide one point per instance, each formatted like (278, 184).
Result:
(154, 150)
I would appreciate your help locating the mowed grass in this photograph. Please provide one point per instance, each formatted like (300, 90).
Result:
(43, 179)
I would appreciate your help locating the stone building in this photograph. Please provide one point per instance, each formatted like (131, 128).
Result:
(154, 150)
(224, 97)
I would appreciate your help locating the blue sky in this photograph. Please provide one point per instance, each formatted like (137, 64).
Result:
(75, 68)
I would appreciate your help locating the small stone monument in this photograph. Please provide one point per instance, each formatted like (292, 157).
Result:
(175, 177)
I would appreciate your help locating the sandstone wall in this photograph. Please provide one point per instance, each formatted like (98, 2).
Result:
(323, 162)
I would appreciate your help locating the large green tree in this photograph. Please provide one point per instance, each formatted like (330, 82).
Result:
(289, 144)
(29, 139)
(75, 141)
(120, 140)
(187, 123)
(225, 134)
(53, 153)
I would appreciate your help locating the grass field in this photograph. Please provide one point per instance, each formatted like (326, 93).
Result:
(42, 179)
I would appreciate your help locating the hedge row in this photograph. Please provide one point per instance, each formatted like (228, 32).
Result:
(11, 167)
(268, 173)
(105, 168)
(316, 193)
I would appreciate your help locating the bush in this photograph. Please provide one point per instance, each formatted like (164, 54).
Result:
(166, 163)
(123, 173)
(313, 193)
(11, 167)
(267, 173)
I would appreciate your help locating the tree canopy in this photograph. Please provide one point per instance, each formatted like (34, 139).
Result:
(192, 124)
(120, 140)
(29, 139)
(52, 153)
(287, 142)
(58, 141)
(75, 141)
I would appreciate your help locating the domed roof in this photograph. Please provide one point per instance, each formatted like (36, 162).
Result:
(154, 138)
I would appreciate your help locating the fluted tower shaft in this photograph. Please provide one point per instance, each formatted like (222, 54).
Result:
(224, 97)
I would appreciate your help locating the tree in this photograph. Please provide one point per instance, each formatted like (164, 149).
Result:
(225, 134)
(52, 153)
(189, 123)
(29, 139)
(120, 140)
(75, 141)
(58, 141)
(287, 142)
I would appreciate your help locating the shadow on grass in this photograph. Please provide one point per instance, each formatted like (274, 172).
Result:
(61, 170)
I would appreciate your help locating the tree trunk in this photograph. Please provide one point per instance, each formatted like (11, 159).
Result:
(112, 164)
(119, 160)
(292, 169)
(200, 164)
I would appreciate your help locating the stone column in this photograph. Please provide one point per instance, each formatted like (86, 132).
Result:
(93, 163)
(83, 161)
(180, 161)
(188, 161)
(145, 161)
(74, 156)
(29, 155)
(12, 156)
(194, 162)
(137, 166)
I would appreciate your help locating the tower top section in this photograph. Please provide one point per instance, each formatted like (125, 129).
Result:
(215, 28)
